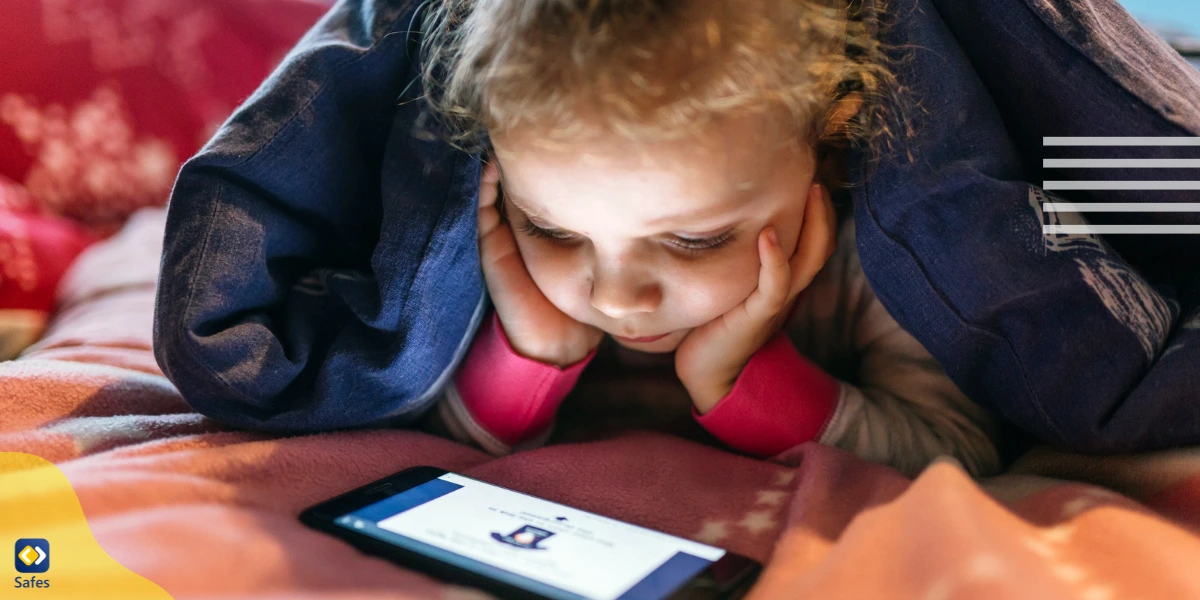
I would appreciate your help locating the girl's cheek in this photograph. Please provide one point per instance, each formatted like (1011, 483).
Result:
(716, 293)
(558, 272)
(728, 282)
(543, 259)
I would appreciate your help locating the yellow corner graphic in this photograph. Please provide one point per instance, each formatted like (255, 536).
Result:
(38, 503)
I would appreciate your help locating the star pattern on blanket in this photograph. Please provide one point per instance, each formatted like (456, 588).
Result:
(712, 532)
(758, 521)
(977, 569)
(771, 497)
(783, 478)
(1051, 544)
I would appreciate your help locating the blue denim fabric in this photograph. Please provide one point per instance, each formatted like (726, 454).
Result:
(320, 268)
(1060, 334)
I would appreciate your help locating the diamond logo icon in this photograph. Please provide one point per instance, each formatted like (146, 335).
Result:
(32, 555)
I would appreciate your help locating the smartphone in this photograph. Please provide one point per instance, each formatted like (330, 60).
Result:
(514, 545)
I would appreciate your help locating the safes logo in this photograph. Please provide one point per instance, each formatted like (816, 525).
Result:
(33, 555)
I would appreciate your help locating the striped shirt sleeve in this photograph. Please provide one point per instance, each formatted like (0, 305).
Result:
(897, 405)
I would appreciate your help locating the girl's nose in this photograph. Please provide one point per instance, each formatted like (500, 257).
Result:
(619, 295)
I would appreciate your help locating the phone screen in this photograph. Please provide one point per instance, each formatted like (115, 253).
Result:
(546, 548)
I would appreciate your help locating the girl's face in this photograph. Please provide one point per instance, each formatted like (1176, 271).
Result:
(653, 240)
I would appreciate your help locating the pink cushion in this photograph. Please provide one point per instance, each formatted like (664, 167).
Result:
(101, 100)
(35, 251)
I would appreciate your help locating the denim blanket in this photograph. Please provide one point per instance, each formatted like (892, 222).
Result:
(320, 267)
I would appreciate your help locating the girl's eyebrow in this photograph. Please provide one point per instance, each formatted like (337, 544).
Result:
(668, 220)
(511, 198)
(724, 206)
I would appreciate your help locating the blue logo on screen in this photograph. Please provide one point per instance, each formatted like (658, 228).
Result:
(32, 555)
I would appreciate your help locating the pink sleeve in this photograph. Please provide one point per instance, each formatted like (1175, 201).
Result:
(510, 397)
(781, 399)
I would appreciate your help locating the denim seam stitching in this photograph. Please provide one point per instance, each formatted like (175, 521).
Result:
(430, 395)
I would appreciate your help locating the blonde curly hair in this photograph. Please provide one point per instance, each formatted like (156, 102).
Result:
(654, 69)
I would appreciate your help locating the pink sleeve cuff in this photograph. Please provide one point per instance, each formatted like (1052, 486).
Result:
(780, 400)
(512, 397)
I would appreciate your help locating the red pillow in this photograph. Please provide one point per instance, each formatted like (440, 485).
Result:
(101, 100)
(35, 251)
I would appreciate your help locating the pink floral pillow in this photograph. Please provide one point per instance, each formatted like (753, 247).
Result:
(101, 100)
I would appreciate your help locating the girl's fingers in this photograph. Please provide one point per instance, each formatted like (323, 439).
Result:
(507, 278)
(773, 276)
(489, 216)
(497, 248)
(511, 287)
(489, 181)
(491, 173)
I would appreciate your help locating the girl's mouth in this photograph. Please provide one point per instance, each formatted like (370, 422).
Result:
(641, 340)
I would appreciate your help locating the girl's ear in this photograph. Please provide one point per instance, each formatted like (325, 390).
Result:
(839, 116)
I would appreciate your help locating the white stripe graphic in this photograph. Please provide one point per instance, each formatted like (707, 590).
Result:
(1121, 185)
(1121, 163)
(1139, 207)
(1119, 229)
(1121, 141)
(1051, 208)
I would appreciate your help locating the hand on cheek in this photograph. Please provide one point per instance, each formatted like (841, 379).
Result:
(712, 356)
(533, 326)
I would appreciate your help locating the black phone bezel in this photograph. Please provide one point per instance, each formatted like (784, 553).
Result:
(322, 517)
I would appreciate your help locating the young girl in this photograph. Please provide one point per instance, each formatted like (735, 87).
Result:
(661, 173)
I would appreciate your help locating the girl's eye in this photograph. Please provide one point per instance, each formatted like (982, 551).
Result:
(528, 228)
(694, 247)
(691, 246)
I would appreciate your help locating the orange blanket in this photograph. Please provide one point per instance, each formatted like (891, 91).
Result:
(170, 494)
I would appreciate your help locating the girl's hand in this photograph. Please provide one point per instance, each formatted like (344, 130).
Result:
(535, 328)
(712, 356)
